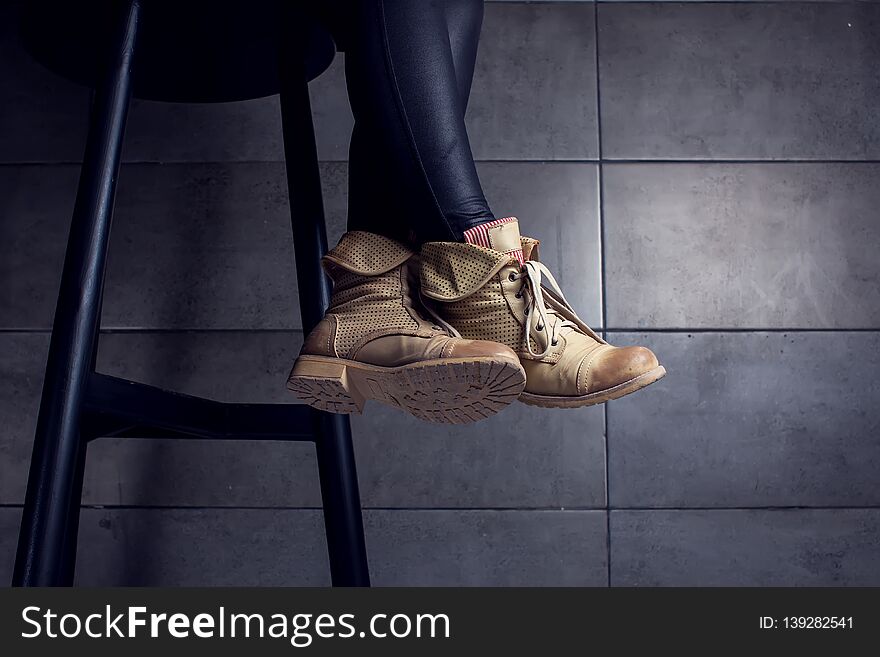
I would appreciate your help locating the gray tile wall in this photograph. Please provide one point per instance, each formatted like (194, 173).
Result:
(702, 177)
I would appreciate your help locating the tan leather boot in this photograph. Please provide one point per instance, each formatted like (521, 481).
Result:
(377, 342)
(488, 295)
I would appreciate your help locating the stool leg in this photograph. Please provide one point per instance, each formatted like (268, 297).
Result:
(52, 502)
(343, 521)
(71, 528)
(336, 465)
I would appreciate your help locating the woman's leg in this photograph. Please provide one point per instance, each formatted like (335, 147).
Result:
(409, 66)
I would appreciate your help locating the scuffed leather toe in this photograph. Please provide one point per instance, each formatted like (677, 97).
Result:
(619, 365)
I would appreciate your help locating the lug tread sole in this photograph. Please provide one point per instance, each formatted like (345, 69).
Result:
(447, 391)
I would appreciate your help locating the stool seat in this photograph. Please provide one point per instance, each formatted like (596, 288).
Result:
(189, 51)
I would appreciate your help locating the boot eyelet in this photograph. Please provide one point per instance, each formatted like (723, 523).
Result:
(554, 343)
(540, 327)
(511, 276)
(518, 295)
(436, 328)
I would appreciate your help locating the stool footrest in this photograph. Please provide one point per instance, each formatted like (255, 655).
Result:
(123, 408)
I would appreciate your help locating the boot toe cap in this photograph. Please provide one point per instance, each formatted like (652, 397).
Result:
(620, 365)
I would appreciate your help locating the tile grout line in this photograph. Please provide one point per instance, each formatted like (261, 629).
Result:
(603, 311)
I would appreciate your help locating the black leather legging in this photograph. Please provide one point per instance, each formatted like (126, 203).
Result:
(409, 66)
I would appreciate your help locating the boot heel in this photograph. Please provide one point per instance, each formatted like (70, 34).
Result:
(325, 385)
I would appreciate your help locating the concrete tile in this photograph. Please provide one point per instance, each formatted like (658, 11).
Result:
(22, 364)
(10, 522)
(750, 419)
(402, 462)
(217, 132)
(237, 132)
(161, 472)
(201, 547)
(204, 246)
(732, 81)
(523, 458)
(192, 246)
(773, 245)
(209, 245)
(533, 99)
(836, 547)
(263, 547)
(534, 91)
(227, 366)
(487, 548)
(331, 113)
(36, 204)
(557, 203)
(166, 547)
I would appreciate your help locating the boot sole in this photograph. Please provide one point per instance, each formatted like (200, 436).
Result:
(449, 390)
(621, 389)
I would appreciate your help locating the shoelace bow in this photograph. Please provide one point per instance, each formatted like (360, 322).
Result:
(532, 273)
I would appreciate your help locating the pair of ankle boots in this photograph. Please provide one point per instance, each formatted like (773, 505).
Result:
(456, 333)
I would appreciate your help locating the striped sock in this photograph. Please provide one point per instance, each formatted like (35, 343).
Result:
(479, 235)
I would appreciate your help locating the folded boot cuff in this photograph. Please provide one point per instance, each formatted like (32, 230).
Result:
(454, 270)
(365, 253)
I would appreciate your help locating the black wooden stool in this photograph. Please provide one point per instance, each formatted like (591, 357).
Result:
(193, 51)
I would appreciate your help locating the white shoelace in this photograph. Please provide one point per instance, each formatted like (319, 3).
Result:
(426, 304)
(533, 272)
